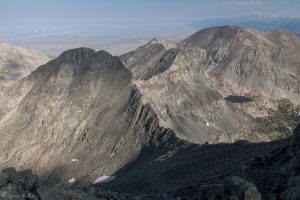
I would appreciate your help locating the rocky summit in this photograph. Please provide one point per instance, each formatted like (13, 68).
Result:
(212, 117)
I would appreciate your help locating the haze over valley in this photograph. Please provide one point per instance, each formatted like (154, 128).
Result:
(119, 27)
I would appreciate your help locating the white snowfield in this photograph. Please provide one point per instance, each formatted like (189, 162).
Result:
(104, 179)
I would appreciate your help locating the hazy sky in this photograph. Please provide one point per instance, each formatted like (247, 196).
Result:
(55, 25)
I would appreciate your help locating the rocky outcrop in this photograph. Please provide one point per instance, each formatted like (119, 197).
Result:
(151, 59)
(25, 185)
(233, 187)
(242, 189)
(18, 185)
(293, 188)
(277, 174)
(273, 175)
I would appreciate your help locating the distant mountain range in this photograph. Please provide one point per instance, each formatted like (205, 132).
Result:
(267, 24)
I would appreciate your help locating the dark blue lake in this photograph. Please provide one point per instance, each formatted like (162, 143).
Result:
(237, 99)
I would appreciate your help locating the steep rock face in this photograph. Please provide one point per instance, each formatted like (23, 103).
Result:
(78, 118)
(189, 90)
(152, 59)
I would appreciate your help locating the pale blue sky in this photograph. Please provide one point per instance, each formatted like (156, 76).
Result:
(55, 25)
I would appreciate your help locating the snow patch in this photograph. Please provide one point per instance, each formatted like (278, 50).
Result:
(74, 160)
(72, 180)
(207, 123)
(104, 179)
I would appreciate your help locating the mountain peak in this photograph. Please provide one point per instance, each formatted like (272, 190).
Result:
(216, 37)
(157, 40)
(75, 55)
(232, 26)
(212, 36)
(4, 44)
(283, 38)
(167, 44)
(103, 53)
(282, 32)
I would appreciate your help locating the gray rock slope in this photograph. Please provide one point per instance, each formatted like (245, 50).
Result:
(78, 118)
(186, 82)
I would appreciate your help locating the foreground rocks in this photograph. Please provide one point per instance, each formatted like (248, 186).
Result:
(271, 176)
(17, 185)
(25, 185)
(233, 187)
(242, 189)
(277, 174)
